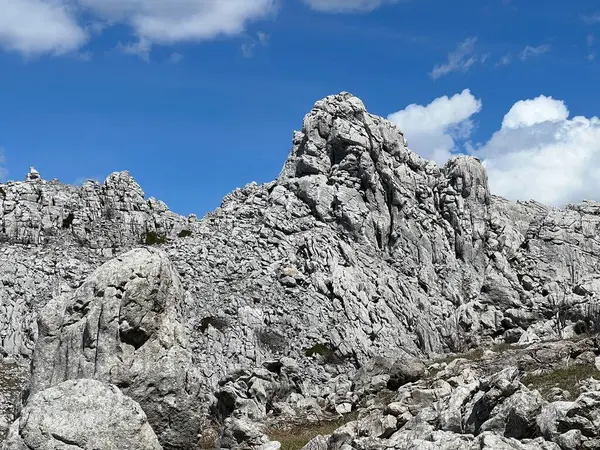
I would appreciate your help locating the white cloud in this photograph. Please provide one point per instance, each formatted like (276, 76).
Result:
(460, 60)
(526, 113)
(346, 6)
(434, 130)
(530, 52)
(39, 26)
(52, 26)
(181, 20)
(538, 153)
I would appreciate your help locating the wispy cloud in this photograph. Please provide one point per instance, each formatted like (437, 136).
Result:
(460, 60)
(248, 47)
(504, 61)
(141, 48)
(175, 58)
(347, 6)
(591, 19)
(530, 52)
(591, 41)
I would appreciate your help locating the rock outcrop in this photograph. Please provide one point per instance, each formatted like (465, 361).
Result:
(83, 414)
(468, 404)
(267, 307)
(123, 326)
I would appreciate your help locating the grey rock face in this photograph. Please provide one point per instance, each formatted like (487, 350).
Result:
(94, 215)
(122, 326)
(82, 414)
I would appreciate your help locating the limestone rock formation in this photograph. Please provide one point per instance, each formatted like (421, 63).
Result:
(122, 326)
(266, 309)
(82, 414)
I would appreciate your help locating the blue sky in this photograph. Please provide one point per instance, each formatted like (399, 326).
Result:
(196, 98)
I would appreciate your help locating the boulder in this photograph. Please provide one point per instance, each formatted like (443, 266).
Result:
(81, 414)
(123, 326)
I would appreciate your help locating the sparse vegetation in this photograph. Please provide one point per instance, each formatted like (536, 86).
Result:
(153, 238)
(272, 340)
(329, 354)
(13, 378)
(566, 378)
(184, 233)
(296, 437)
(215, 322)
(68, 221)
(505, 346)
(472, 355)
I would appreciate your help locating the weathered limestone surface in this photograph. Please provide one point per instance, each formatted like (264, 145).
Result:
(123, 326)
(83, 414)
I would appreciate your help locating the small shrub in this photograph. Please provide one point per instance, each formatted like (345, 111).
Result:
(566, 378)
(184, 233)
(215, 322)
(272, 340)
(68, 221)
(153, 238)
(505, 347)
(330, 355)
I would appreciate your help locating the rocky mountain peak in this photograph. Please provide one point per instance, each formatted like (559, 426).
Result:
(356, 169)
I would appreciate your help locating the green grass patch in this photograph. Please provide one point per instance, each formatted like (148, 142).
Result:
(505, 347)
(296, 437)
(566, 378)
(472, 355)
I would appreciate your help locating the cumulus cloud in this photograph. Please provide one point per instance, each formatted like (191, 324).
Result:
(526, 113)
(459, 60)
(55, 26)
(434, 130)
(539, 152)
(345, 6)
(39, 26)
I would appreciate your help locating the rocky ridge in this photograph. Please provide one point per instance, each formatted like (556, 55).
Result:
(360, 249)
